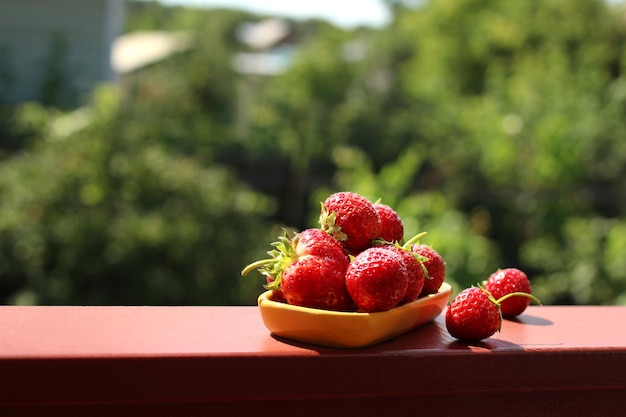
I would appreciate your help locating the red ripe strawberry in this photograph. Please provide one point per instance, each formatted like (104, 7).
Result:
(351, 219)
(435, 268)
(311, 242)
(377, 279)
(473, 315)
(316, 282)
(316, 242)
(506, 281)
(415, 272)
(392, 227)
(308, 270)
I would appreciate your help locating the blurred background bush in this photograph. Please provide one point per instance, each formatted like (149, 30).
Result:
(497, 127)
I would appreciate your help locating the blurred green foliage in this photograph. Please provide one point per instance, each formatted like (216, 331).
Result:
(96, 214)
(497, 127)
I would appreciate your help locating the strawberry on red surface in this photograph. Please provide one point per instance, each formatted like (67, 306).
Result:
(392, 228)
(350, 218)
(377, 279)
(435, 268)
(473, 315)
(507, 281)
(415, 272)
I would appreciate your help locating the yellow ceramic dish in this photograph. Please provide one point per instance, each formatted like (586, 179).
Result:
(347, 329)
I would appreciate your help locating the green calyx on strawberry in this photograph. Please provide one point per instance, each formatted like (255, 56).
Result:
(475, 314)
(328, 223)
(273, 267)
(307, 270)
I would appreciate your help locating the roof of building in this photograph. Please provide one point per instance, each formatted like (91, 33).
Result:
(136, 50)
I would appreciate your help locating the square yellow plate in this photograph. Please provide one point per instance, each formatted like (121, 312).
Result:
(349, 329)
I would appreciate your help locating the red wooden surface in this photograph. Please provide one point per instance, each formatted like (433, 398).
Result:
(203, 361)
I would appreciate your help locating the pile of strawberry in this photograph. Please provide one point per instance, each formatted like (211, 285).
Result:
(357, 260)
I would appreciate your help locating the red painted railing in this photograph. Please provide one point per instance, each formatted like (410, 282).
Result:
(222, 361)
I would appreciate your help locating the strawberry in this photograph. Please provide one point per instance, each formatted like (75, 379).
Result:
(392, 227)
(377, 279)
(415, 272)
(307, 270)
(506, 281)
(351, 219)
(475, 314)
(319, 243)
(435, 268)
(317, 282)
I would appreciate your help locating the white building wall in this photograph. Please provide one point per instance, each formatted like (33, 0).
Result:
(71, 38)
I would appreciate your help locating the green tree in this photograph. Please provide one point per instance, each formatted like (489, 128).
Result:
(497, 127)
(522, 109)
(95, 215)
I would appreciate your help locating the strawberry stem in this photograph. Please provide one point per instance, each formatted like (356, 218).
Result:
(257, 265)
(414, 239)
(283, 254)
(518, 294)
